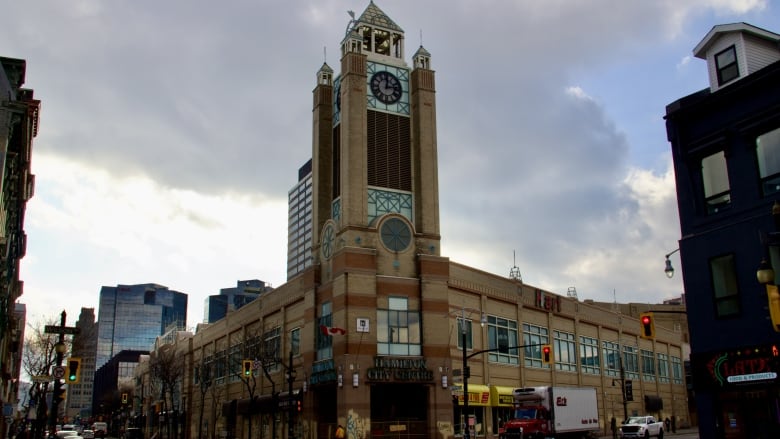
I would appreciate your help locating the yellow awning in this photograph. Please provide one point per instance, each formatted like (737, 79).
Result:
(478, 394)
(501, 396)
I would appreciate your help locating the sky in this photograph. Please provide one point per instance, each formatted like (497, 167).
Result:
(172, 131)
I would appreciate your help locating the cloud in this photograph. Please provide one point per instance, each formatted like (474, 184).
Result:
(131, 230)
(171, 132)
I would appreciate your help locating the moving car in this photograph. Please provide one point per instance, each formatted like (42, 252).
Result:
(100, 429)
(66, 434)
(88, 434)
(134, 433)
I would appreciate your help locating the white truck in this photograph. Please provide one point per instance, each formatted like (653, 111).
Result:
(642, 427)
(559, 412)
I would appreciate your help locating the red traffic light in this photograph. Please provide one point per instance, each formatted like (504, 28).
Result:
(645, 320)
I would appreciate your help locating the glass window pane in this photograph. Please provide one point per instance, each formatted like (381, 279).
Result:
(724, 285)
(716, 181)
(768, 156)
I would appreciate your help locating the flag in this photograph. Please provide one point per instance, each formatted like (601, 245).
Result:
(329, 330)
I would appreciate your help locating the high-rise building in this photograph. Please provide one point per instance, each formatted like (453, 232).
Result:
(230, 299)
(19, 122)
(725, 143)
(84, 346)
(299, 223)
(131, 317)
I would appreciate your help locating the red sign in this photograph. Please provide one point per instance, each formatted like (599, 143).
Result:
(547, 301)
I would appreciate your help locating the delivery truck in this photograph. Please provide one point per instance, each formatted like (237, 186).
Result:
(553, 412)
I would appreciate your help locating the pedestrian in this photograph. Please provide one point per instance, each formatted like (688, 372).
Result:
(340, 432)
(613, 426)
(668, 424)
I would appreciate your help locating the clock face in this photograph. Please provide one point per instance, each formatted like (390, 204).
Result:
(386, 87)
(327, 241)
(396, 235)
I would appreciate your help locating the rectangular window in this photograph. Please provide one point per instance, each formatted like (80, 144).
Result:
(724, 285)
(663, 368)
(236, 356)
(768, 155)
(565, 351)
(469, 334)
(324, 342)
(589, 355)
(726, 65)
(533, 339)
(272, 347)
(631, 362)
(717, 191)
(677, 370)
(295, 341)
(611, 358)
(502, 335)
(648, 365)
(398, 329)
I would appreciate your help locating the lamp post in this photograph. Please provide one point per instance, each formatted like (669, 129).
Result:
(466, 371)
(669, 270)
(291, 406)
(59, 349)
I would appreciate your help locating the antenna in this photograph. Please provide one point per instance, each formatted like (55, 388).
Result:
(420, 37)
(325, 54)
(514, 272)
(572, 292)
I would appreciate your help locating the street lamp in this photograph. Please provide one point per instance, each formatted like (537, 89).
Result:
(466, 372)
(669, 270)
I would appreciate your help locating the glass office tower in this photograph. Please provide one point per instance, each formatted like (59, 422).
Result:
(130, 317)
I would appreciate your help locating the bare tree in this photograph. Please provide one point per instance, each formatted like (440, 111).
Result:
(38, 358)
(166, 372)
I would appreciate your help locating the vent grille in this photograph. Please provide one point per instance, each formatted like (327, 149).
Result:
(389, 151)
(336, 162)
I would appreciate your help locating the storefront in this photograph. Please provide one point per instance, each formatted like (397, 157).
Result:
(742, 388)
(501, 404)
(479, 402)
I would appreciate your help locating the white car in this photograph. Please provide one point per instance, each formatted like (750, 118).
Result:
(88, 434)
(67, 434)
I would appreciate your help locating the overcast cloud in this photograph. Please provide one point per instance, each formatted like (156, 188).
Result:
(171, 132)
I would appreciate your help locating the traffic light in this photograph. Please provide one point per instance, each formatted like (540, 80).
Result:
(124, 398)
(247, 367)
(547, 354)
(773, 302)
(74, 370)
(647, 326)
(58, 394)
(629, 390)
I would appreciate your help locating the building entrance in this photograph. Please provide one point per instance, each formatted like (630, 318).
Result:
(399, 410)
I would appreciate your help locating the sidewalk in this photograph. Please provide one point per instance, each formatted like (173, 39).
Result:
(680, 431)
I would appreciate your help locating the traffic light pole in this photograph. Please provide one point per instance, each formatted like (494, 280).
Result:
(55, 396)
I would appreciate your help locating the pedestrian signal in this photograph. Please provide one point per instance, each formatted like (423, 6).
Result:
(124, 398)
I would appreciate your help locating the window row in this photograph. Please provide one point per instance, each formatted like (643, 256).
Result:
(607, 358)
(715, 175)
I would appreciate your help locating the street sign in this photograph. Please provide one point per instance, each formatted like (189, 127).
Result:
(54, 329)
(42, 378)
(58, 372)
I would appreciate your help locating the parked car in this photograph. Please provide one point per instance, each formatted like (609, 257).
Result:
(88, 434)
(100, 429)
(66, 434)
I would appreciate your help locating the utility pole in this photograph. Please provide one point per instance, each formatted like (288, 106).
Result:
(59, 349)
(58, 371)
(291, 405)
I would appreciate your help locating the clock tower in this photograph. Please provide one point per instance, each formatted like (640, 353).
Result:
(377, 269)
(374, 147)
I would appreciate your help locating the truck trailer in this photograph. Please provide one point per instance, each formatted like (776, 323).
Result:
(552, 412)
